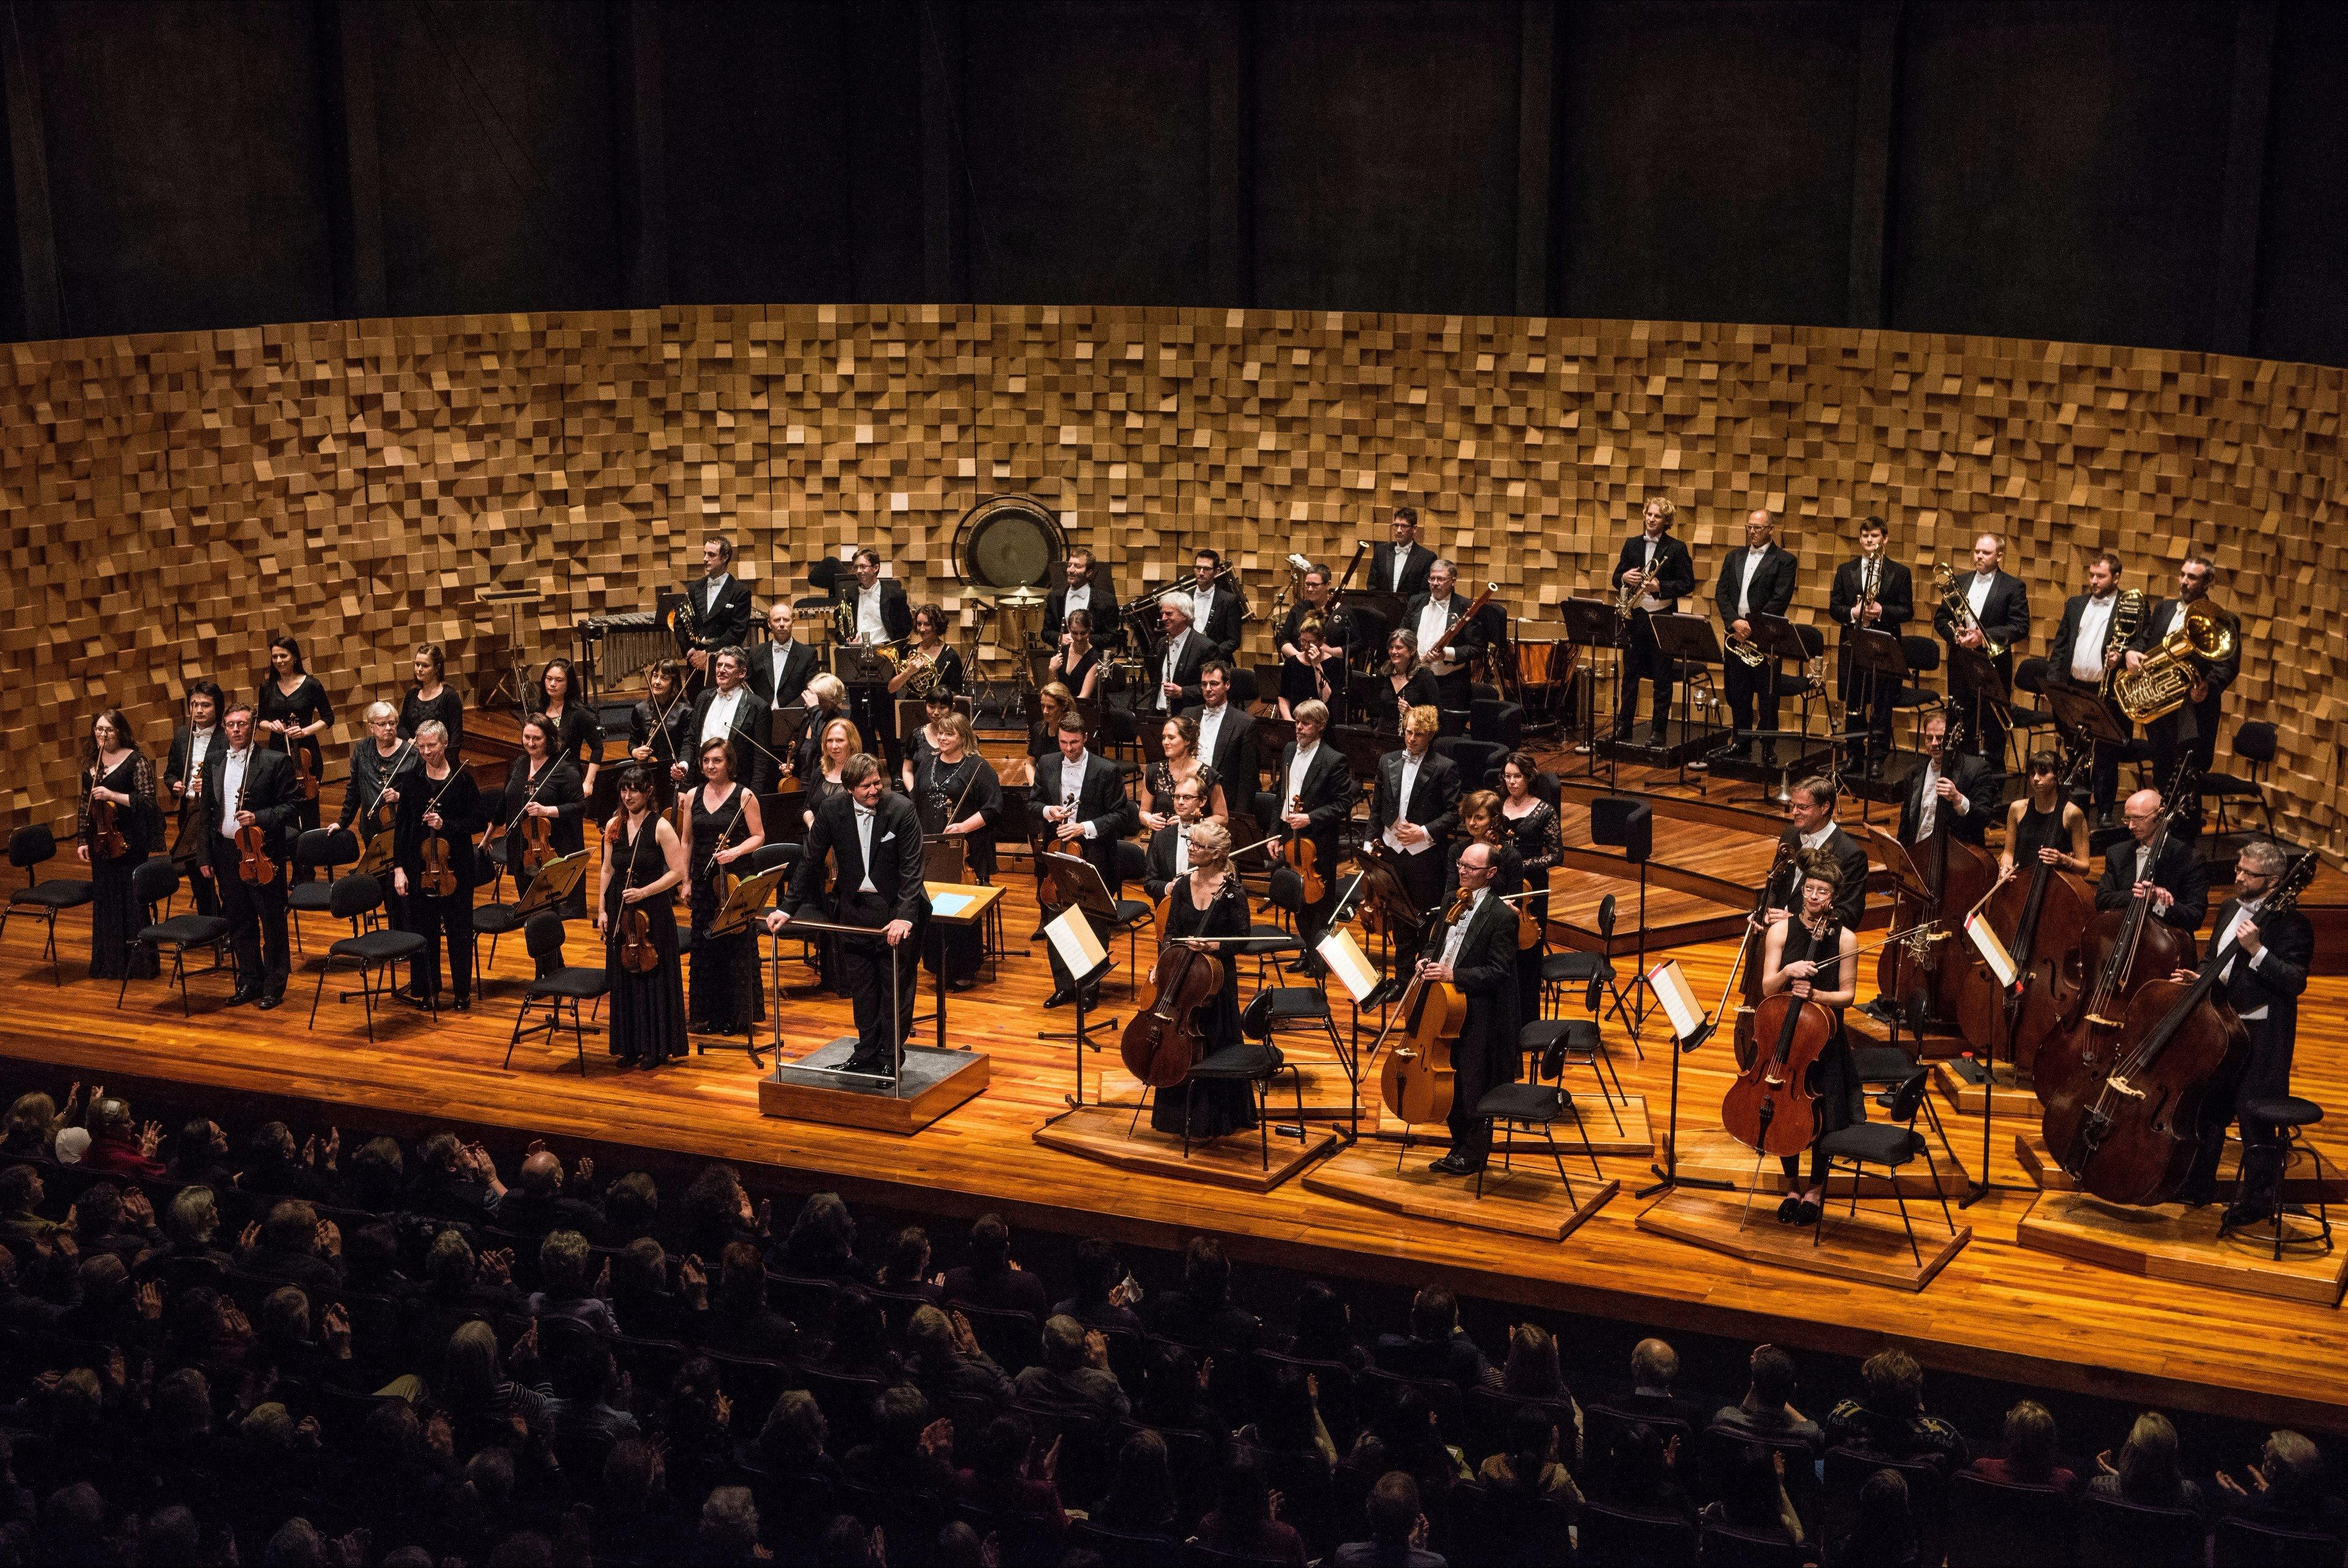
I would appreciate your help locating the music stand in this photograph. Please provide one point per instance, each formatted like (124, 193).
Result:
(896, 1017)
(1691, 1027)
(2082, 716)
(556, 880)
(858, 665)
(1686, 639)
(748, 901)
(1077, 886)
(1988, 688)
(513, 680)
(1879, 656)
(1589, 625)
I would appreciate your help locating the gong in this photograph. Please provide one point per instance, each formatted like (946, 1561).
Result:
(1008, 542)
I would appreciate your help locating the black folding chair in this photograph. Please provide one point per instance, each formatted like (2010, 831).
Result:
(354, 898)
(555, 986)
(153, 885)
(30, 846)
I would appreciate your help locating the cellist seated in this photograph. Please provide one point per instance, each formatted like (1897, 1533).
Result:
(1797, 960)
(1207, 902)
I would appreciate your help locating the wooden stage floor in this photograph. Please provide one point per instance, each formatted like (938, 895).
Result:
(1996, 1310)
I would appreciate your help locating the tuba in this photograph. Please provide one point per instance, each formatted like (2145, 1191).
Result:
(2165, 680)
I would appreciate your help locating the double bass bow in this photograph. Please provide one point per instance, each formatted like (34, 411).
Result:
(2129, 1124)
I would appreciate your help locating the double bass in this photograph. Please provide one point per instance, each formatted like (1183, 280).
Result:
(2129, 1123)
(1417, 1080)
(1771, 1108)
(1956, 876)
(2041, 920)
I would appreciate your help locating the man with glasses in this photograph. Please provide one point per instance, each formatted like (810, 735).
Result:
(1476, 952)
(2178, 887)
(2260, 962)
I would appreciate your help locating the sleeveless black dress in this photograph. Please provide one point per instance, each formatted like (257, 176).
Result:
(647, 1010)
(2039, 830)
(726, 995)
(1841, 1102)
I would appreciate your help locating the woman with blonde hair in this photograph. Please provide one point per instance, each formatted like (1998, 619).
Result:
(1209, 903)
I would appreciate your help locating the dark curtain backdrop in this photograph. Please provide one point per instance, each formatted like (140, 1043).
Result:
(2171, 174)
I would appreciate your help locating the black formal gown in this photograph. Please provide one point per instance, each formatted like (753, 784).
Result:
(1297, 684)
(114, 914)
(305, 706)
(727, 996)
(2039, 830)
(1377, 695)
(579, 737)
(1221, 1105)
(1540, 843)
(1834, 1078)
(448, 708)
(1072, 678)
(945, 793)
(648, 1010)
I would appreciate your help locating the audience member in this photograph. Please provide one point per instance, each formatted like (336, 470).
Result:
(992, 1279)
(1398, 1529)
(2030, 1449)
(1889, 1417)
(2146, 1474)
(1202, 1313)
(1075, 1371)
(1767, 1408)
(1436, 1346)
(1101, 1299)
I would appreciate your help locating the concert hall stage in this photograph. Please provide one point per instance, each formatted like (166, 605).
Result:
(1997, 1309)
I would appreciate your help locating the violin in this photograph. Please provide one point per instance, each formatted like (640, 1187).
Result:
(1418, 1079)
(253, 867)
(303, 774)
(638, 954)
(2127, 1126)
(105, 839)
(439, 876)
(1163, 1041)
(537, 843)
(1771, 1108)
(1303, 857)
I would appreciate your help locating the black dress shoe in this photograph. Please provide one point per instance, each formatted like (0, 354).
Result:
(1657, 738)
(1092, 995)
(1769, 756)
(242, 995)
(2196, 1195)
(270, 1000)
(463, 1004)
(2246, 1211)
(1453, 1165)
(1060, 999)
(1787, 1208)
(1808, 1214)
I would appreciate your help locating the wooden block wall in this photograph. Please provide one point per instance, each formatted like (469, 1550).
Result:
(170, 501)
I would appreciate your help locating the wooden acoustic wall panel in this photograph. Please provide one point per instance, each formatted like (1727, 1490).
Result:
(170, 501)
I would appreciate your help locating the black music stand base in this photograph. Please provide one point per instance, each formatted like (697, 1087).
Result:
(1081, 1036)
(1667, 1174)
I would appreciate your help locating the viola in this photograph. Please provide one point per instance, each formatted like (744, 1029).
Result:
(1417, 1080)
(1304, 857)
(1771, 1108)
(105, 839)
(2128, 1124)
(1163, 1041)
(303, 774)
(439, 877)
(1385, 903)
(638, 954)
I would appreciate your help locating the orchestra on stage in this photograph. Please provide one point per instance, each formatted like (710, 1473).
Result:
(1375, 770)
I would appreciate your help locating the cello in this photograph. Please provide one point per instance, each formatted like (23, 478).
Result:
(1748, 963)
(1418, 1079)
(1956, 874)
(1163, 1041)
(2129, 1134)
(1771, 1108)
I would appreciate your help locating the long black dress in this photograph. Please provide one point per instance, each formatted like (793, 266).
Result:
(1216, 1106)
(441, 922)
(947, 793)
(578, 736)
(667, 731)
(2038, 830)
(1540, 843)
(647, 1010)
(305, 706)
(727, 996)
(114, 914)
(557, 785)
(1377, 697)
(1072, 678)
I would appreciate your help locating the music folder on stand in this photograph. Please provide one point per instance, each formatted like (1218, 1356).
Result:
(513, 680)
(1084, 898)
(1691, 1027)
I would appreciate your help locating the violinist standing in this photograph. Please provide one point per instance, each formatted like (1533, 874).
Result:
(380, 766)
(442, 803)
(542, 784)
(726, 829)
(1475, 951)
(293, 710)
(252, 786)
(116, 773)
(644, 864)
(1316, 794)
(197, 746)
(1207, 902)
(2261, 965)
(1815, 956)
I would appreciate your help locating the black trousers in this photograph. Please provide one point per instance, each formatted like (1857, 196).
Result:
(200, 886)
(2267, 1076)
(2103, 776)
(1644, 660)
(1478, 1065)
(2191, 732)
(1748, 688)
(256, 915)
(1455, 698)
(440, 921)
(1422, 878)
(874, 710)
(865, 967)
(1868, 697)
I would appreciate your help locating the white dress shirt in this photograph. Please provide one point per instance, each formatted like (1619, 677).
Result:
(1401, 565)
(718, 724)
(1173, 661)
(1649, 600)
(1181, 850)
(782, 657)
(1210, 724)
(1870, 586)
(1202, 604)
(2095, 625)
(1298, 767)
(1459, 927)
(1078, 599)
(232, 789)
(716, 585)
(1809, 841)
(2176, 620)
(1753, 560)
(1402, 811)
(870, 629)
(200, 744)
(1977, 593)
(2246, 913)
(1432, 621)
(864, 815)
(1072, 785)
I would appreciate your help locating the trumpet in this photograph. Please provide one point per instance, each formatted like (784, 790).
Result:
(1744, 653)
(843, 621)
(1626, 598)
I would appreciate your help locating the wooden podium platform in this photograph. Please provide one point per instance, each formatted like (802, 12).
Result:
(1871, 1248)
(1236, 1160)
(2179, 1243)
(1961, 1091)
(1710, 1154)
(933, 1082)
(1526, 1200)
